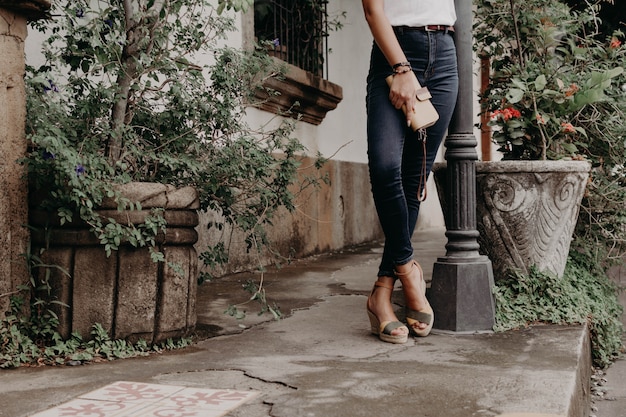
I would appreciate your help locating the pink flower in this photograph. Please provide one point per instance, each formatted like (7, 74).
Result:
(540, 119)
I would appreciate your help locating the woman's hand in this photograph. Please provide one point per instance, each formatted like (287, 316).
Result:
(404, 86)
(402, 92)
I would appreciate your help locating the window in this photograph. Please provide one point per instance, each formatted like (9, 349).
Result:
(296, 31)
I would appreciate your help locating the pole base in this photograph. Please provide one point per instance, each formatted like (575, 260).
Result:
(461, 295)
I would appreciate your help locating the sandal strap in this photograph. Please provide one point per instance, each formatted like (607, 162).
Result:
(382, 284)
(413, 263)
(391, 326)
(419, 316)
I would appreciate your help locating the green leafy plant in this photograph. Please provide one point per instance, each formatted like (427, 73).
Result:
(19, 349)
(556, 91)
(583, 295)
(257, 295)
(551, 70)
(145, 90)
(148, 91)
(236, 5)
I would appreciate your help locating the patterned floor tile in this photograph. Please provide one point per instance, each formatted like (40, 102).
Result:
(134, 399)
(132, 392)
(87, 408)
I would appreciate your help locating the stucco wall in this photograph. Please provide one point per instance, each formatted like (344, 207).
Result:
(326, 219)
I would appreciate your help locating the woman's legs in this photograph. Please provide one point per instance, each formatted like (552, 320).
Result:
(396, 155)
(386, 130)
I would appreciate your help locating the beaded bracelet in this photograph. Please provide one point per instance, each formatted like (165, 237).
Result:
(396, 67)
(397, 71)
(401, 64)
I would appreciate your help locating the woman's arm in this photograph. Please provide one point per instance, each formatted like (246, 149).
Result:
(404, 86)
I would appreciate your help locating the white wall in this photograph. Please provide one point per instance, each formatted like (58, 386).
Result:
(348, 67)
(342, 133)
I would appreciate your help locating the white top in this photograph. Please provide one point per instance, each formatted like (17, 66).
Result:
(420, 12)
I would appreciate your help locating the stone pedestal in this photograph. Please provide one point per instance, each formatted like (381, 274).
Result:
(461, 295)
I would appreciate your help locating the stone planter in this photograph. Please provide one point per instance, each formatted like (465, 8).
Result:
(526, 211)
(130, 295)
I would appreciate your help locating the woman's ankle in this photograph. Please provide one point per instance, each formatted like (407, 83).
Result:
(380, 297)
(387, 281)
(404, 270)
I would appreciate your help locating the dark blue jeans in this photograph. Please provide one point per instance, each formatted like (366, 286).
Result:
(394, 151)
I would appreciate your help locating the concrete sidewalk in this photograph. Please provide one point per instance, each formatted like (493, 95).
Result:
(321, 359)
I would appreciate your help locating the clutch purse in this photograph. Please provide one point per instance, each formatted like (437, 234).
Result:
(425, 114)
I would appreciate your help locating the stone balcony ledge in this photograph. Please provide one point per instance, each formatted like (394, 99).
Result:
(32, 9)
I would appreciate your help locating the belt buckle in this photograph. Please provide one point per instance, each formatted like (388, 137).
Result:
(429, 28)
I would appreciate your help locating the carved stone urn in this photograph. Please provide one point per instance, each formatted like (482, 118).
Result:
(129, 294)
(526, 211)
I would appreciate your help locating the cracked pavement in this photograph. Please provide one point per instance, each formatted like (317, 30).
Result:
(321, 360)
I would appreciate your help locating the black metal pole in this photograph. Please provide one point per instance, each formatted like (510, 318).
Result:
(460, 292)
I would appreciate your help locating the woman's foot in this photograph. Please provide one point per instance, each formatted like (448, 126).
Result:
(383, 320)
(419, 315)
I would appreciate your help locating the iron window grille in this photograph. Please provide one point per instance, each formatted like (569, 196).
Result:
(295, 31)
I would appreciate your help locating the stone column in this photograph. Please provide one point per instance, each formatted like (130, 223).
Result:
(460, 291)
(13, 187)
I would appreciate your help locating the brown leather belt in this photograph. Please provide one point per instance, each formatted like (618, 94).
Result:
(427, 28)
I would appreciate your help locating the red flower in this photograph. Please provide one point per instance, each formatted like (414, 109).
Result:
(507, 114)
(573, 89)
(615, 43)
(568, 128)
